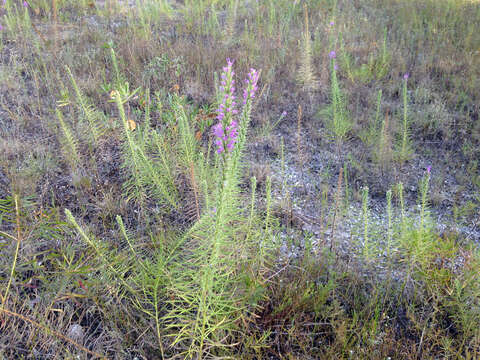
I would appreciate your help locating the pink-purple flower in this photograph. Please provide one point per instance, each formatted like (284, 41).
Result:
(332, 55)
(227, 89)
(225, 137)
(406, 76)
(25, 4)
(226, 130)
(220, 135)
(232, 134)
(251, 85)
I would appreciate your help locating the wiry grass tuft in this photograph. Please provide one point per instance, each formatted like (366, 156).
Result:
(88, 113)
(306, 74)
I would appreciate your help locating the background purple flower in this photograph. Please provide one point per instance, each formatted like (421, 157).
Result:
(406, 76)
(332, 54)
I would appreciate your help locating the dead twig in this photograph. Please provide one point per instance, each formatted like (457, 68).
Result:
(52, 332)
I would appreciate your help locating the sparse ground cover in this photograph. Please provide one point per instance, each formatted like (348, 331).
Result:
(272, 179)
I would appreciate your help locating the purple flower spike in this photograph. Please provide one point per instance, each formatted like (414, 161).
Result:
(225, 131)
(251, 89)
(218, 130)
(332, 55)
(332, 23)
(1, 27)
(284, 113)
(406, 76)
(335, 67)
(429, 168)
(25, 4)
